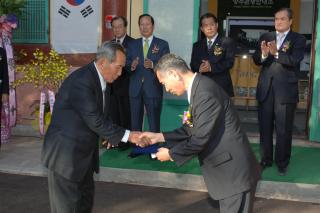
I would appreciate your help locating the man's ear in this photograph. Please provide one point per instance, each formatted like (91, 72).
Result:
(174, 75)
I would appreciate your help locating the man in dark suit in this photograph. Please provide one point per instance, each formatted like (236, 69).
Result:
(4, 79)
(80, 115)
(145, 89)
(213, 55)
(280, 54)
(213, 133)
(119, 104)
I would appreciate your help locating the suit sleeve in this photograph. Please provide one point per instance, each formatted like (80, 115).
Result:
(294, 57)
(257, 56)
(195, 62)
(5, 75)
(207, 121)
(129, 55)
(83, 100)
(225, 64)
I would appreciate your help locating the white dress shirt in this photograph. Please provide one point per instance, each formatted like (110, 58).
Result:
(190, 87)
(103, 84)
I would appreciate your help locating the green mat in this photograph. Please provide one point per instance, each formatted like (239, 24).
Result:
(304, 166)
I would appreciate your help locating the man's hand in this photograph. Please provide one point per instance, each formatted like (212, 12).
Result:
(205, 66)
(152, 137)
(272, 47)
(107, 144)
(134, 64)
(135, 138)
(148, 64)
(264, 49)
(163, 154)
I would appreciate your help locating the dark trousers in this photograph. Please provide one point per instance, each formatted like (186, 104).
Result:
(153, 108)
(239, 203)
(272, 113)
(120, 110)
(68, 196)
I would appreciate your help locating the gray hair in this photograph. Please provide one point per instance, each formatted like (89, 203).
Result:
(171, 61)
(108, 49)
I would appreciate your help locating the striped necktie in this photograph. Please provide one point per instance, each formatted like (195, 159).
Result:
(145, 48)
(280, 38)
(209, 44)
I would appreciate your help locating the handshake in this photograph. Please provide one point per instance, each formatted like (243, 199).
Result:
(144, 139)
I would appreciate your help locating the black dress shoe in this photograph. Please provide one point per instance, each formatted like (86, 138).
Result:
(282, 171)
(265, 164)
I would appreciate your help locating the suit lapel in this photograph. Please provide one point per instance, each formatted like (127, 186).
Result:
(153, 43)
(140, 49)
(286, 40)
(194, 89)
(97, 83)
(125, 40)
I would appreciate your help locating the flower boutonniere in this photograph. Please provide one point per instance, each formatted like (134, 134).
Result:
(187, 118)
(155, 49)
(217, 50)
(285, 46)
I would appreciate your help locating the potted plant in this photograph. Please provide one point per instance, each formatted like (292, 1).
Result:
(45, 72)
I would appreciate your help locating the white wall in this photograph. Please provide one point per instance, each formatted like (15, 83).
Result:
(306, 16)
(174, 23)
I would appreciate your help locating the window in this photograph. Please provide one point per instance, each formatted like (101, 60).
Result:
(33, 24)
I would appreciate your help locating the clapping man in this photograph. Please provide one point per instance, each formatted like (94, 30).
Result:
(145, 90)
(119, 104)
(279, 55)
(213, 56)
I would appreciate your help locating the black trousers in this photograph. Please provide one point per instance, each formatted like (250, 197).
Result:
(120, 110)
(68, 196)
(272, 113)
(239, 203)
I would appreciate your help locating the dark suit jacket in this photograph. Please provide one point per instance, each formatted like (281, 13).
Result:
(71, 143)
(221, 61)
(121, 85)
(281, 71)
(227, 162)
(142, 78)
(4, 86)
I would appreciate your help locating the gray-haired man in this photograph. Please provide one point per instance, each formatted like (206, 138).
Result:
(70, 149)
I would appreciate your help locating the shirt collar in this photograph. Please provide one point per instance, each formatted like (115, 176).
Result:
(285, 33)
(149, 40)
(190, 87)
(213, 39)
(121, 39)
(102, 81)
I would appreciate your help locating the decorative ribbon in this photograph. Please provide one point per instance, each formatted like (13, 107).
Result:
(43, 100)
(52, 99)
(41, 111)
